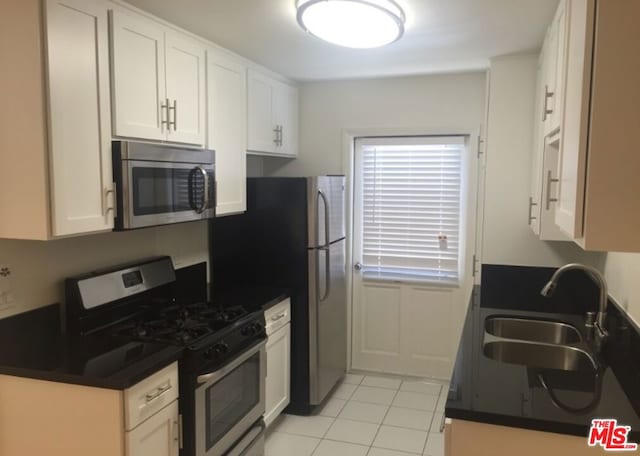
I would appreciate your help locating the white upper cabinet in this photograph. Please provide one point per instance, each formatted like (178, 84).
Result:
(553, 71)
(227, 129)
(185, 76)
(598, 203)
(272, 116)
(138, 77)
(547, 132)
(56, 143)
(79, 127)
(158, 79)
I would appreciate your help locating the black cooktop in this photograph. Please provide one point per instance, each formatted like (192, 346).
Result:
(179, 324)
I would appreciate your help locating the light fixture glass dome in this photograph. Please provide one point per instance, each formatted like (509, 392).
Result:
(352, 23)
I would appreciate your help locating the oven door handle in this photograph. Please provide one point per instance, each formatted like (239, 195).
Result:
(218, 374)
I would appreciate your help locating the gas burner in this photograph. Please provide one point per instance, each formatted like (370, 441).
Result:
(180, 324)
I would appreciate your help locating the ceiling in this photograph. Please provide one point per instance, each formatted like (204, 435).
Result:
(441, 35)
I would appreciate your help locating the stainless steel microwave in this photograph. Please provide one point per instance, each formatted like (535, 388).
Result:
(159, 184)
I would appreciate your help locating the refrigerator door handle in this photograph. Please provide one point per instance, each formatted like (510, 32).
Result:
(327, 239)
(325, 248)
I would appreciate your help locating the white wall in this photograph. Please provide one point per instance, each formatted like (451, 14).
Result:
(622, 271)
(38, 268)
(422, 103)
(507, 239)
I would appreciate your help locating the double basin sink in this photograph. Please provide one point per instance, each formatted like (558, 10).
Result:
(536, 343)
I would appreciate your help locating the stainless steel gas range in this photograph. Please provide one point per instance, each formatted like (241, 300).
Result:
(223, 368)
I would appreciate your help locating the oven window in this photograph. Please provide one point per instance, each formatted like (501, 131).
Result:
(230, 399)
(165, 190)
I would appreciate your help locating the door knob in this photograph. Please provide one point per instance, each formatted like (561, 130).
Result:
(357, 266)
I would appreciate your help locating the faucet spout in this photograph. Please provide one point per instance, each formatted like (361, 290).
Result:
(598, 278)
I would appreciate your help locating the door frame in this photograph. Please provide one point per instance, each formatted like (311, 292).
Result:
(349, 136)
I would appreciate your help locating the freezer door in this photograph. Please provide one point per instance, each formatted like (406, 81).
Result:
(325, 202)
(327, 319)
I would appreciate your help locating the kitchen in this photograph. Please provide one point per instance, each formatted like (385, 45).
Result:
(472, 81)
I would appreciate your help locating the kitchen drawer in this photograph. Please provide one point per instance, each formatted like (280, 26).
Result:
(150, 396)
(278, 316)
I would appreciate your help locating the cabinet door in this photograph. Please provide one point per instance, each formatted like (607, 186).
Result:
(157, 436)
(573, 146)
(536, 156)
(559, 66)
(285, 107)
(261, 135)
(549, 68)
(79, 116)
(138, 78)
(185, 75)
(278, 373)
(227, 130)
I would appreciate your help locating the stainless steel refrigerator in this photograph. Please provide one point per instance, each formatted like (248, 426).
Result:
(292, 237)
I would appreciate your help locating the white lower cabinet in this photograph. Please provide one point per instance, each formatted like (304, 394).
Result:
(77, 420)
(158, 436)
(278, 360)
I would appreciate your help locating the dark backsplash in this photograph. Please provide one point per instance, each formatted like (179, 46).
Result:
(518, 287)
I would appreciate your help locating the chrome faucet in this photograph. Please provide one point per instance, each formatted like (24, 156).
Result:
(596, 276)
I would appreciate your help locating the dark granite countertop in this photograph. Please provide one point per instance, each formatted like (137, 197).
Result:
(493, 392)
(251, 298)
(33, 346)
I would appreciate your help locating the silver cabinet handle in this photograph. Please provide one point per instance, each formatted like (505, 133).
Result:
(281, 134)
(277, 138)
(114, 206)
(531, 204)
(546, 111)
(173, 108)
(158, 392)
(164, 114)
(205, 190)
(279, 316)
(549, 182)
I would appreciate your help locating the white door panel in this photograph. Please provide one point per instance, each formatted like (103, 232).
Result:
(138, 77)
(185, 73)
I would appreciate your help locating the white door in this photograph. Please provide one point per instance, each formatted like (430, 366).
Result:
(261, 135)
(157, 436)
(278, 373)
(227, 130)
(138, 77)
(572, 161)
(185, 76)
(413, 242)
(79, 116)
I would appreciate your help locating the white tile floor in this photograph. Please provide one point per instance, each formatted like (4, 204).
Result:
(367, 415)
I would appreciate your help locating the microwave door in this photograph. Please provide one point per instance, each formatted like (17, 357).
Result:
(160, 193)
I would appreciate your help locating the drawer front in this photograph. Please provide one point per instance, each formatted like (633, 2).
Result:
(278, 316)
(150, 396)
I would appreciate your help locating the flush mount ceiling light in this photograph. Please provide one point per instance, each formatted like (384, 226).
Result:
(352, 23)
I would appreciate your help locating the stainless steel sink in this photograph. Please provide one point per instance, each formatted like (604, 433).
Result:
(551, 332)
(539, 355)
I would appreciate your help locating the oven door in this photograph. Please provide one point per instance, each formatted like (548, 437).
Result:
(229, 401)
(158, 193)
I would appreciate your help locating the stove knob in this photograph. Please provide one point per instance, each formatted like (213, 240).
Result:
(209, 353)
(257, 328)
(247, 331)
(222, 348)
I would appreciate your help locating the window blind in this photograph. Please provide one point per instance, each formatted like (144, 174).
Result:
(411, 208)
